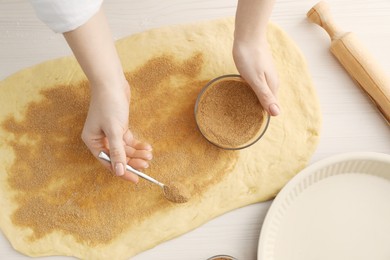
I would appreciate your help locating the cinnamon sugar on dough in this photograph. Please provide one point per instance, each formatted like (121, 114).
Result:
(63, 188)
(57, 199)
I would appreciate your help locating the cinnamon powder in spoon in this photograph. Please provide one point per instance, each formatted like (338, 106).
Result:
(176, 193)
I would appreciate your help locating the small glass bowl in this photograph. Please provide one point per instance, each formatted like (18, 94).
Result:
(254, 139)
(220, 257)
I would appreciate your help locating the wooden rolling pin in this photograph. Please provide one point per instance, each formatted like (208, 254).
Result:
(355, 59)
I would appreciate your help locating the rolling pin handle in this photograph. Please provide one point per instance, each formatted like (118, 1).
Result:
(320, 14)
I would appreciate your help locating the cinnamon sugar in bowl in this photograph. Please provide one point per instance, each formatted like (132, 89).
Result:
(222, 257)
(229, 114)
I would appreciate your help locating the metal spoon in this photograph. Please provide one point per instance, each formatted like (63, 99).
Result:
(171, 194)
(104, 156)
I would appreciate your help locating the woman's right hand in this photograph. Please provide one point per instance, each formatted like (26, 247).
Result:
(106, 129)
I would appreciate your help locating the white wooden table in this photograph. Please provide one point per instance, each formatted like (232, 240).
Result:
(350, 121)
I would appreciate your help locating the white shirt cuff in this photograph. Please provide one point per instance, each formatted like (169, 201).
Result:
(65, 15)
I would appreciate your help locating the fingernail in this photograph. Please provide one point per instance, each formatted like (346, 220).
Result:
(148, 148)
(146, 165)
(119, 170)
(149, 157)
(274, 110)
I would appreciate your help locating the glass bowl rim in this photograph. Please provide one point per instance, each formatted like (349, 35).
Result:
(215, 256)
(268, 117)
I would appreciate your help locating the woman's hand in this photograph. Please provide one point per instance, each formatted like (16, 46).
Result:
(251, 53)
(106, 128)
(254, 62)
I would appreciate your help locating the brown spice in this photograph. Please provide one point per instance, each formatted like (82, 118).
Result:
(62, 188)
(229, 113)
(222, 257)
(177, 193)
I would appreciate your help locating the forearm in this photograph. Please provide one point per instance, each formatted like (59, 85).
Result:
(251, 20)
(94, 48)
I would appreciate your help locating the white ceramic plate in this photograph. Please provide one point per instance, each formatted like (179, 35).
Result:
(336, 209)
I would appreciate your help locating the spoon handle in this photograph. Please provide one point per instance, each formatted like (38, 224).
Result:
(104, 156)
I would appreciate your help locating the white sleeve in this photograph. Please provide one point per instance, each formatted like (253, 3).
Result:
(65, 15)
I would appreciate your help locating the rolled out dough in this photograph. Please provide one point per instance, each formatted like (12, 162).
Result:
(56, 199)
